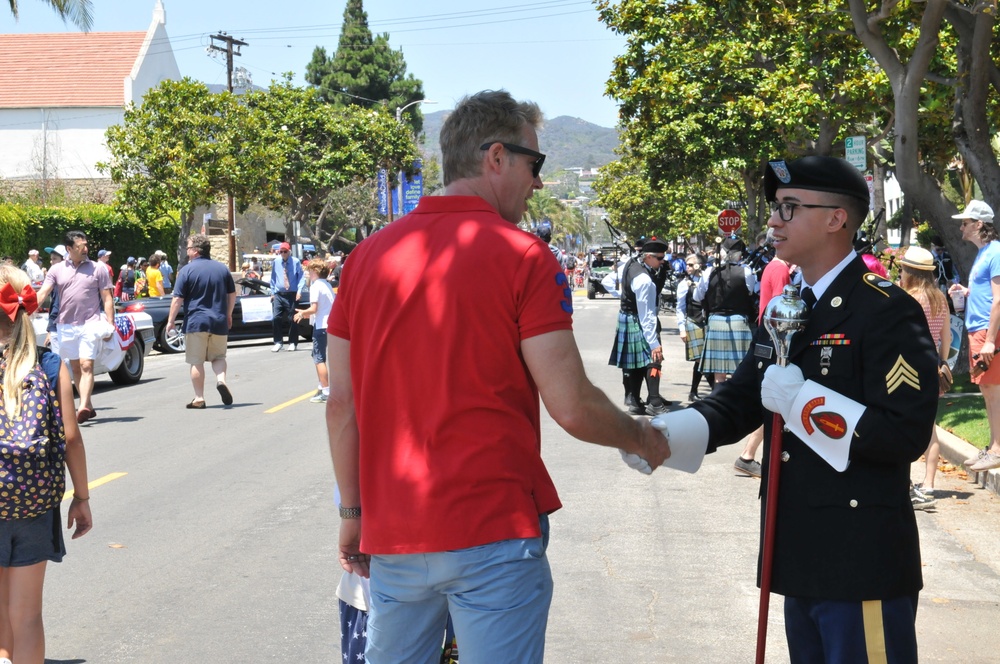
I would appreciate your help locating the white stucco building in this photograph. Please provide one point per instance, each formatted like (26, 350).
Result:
(59, 93)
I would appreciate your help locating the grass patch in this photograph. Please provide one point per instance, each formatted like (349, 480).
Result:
(965, 416)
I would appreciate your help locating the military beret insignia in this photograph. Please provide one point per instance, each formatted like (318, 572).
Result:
(781, 171)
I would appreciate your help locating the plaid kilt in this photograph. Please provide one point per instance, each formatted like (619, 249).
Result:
(695, 342)
(630, 350)
(727, 341)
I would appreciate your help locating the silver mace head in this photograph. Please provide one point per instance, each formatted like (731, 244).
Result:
(784, 317)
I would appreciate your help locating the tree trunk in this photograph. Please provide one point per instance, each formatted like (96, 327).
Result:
(920, 189)
(187, 224)
(971, 127)
(905, 224)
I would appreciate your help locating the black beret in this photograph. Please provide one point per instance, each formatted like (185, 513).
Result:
(816, 173)
(731, 244)
(654, 247)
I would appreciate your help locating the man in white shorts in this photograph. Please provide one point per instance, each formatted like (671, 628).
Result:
(86, 314)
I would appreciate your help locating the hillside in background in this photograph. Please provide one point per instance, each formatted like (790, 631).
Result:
(567, 142)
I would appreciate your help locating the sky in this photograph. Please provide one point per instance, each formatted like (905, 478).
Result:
(553, 52)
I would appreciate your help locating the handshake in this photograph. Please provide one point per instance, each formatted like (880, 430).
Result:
(686, 431)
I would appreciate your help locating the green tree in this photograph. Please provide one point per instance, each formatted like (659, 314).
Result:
(173, 152)
(366, 69)
(78, 12)
(945, 62)
(318, 148)
(568, 223)
(719, 88)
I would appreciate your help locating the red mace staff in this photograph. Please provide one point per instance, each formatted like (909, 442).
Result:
(784, 317)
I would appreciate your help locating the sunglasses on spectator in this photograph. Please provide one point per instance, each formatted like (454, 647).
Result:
(536, 165)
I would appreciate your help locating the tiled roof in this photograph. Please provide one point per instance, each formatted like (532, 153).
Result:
(66, 69)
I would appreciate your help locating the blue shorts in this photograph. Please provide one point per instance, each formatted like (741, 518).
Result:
(319, 346)
(498, 596)
(26, 542)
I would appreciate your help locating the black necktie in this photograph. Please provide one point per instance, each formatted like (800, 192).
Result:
(808, 297)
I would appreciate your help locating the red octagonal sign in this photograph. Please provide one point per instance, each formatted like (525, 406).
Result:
(730, 221)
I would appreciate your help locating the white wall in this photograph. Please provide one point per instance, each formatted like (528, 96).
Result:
(155, 63)
(70, 139)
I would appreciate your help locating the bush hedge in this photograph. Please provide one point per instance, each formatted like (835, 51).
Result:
(24, 227)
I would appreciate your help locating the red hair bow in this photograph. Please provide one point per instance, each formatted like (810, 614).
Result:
(11, 300)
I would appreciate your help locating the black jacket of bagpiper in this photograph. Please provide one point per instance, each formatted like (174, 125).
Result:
(727, 293)
(633, 268)
(847, 536)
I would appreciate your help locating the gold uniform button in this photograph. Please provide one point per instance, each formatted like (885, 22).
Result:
(785, 456)
(854, 503)
(824, 371)
(760, 365)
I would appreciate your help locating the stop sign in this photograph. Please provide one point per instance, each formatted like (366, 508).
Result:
(730, 221)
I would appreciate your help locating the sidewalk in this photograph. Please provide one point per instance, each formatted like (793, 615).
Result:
(956, 450)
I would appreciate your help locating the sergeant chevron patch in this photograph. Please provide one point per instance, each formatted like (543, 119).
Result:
(901, 374)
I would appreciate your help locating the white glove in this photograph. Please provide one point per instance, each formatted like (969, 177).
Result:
(779, 388)
(636, 462)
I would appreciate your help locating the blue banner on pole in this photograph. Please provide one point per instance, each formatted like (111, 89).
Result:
(383, 192)
(413, 187)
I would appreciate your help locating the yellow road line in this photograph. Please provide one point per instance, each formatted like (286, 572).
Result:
(96, 483)
(290, 403)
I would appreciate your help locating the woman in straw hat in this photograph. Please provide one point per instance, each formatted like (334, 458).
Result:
(916, 276)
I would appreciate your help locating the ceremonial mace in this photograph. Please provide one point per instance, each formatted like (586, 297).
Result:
(784, 317)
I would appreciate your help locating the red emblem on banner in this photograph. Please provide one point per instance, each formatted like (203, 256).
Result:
(833, 425)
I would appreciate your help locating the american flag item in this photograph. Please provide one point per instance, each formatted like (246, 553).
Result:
(125, 326)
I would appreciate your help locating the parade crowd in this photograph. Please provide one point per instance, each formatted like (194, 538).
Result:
(467, 350)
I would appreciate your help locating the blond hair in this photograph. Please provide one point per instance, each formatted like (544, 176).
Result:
(487, 116)
(922, 286)
(21, 352)
(319, 266)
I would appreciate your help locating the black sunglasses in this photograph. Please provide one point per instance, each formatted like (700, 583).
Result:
(536, 166)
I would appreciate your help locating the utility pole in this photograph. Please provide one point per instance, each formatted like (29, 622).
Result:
(229, 42)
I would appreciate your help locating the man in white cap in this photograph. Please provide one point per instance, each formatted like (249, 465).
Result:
(982, 319)
(104, 256)
(36, 273)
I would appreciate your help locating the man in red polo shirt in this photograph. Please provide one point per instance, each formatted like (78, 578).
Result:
(447, 326)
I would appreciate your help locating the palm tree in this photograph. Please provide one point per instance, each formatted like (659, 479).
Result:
(77, 11)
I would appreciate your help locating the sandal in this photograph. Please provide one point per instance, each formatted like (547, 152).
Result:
(227, 396)
(196, 405)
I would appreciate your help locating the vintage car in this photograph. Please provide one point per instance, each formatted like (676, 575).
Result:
(251, 315)
(136, 332)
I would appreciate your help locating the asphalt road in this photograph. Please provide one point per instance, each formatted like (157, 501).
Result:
(217, 542)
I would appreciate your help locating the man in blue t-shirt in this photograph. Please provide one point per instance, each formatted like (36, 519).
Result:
(206, 290)
(980, 321)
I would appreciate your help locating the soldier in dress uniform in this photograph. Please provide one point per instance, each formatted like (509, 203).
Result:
(858, 398)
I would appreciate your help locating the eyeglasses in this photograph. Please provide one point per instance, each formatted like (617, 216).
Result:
(536, 166)
(786, 210)
(285, 251)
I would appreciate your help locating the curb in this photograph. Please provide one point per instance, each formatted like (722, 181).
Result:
(956, 450)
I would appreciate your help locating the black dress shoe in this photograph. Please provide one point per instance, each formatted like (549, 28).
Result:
(693, 396)
(657, 409)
